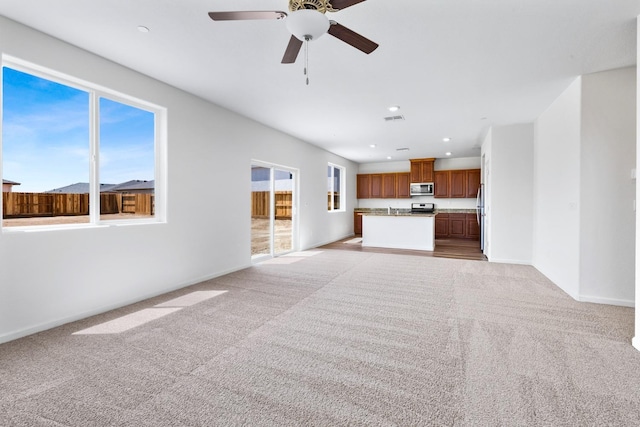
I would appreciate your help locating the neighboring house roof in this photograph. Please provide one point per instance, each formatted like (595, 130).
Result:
(6, 181)
(135, 184)
(80, 188)
(83, 187)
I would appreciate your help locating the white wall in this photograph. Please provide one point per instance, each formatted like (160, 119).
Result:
(384, 167)
(405, 166)
(510, 201)
(636, 339)
(584, 223)
(457, 163)
(52, 277)
(607, 215)
(487, 180)
(556, 244)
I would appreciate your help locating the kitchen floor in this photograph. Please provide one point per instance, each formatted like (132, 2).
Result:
(445, 248)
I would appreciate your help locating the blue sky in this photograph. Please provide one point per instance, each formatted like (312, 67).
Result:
(45, 136)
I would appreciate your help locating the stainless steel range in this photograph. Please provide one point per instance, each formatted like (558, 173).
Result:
(423, 208)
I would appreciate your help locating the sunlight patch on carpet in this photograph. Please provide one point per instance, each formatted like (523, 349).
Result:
(281, 260)
(303, 254)
(191, 299)
(129, 321)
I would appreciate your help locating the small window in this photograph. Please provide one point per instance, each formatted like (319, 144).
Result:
(74, 153)
(335, 176)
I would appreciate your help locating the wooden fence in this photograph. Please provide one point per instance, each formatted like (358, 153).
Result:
(27, 205)
(260, 204)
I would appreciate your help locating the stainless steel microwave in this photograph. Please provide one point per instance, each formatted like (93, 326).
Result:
(422, 189)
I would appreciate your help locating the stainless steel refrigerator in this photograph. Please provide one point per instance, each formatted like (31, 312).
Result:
(480, 214)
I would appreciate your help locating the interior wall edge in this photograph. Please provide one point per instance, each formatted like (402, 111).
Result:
(555, 282)
(607, 301)
(511, 261)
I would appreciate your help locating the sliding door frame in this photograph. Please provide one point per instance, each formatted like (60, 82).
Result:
(272, 208)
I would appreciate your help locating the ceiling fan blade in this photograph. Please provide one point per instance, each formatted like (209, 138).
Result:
(247, 15)
(293, 48)
(351, 37)
(343, 4)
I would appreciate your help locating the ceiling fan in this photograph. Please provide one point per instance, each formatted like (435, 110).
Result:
(306, 21)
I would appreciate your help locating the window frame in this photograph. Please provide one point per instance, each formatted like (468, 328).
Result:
(342, 189)
(96, 92)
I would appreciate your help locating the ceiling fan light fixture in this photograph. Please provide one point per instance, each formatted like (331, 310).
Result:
(307, 23)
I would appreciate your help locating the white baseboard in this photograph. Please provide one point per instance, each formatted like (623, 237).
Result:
(21, 333)
(636, 342)
(608, 301)
(510, 261)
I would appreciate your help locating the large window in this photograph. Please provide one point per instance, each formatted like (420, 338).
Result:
(335, 176)
(75, 153)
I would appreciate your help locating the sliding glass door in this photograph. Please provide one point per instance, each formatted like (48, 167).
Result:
(272, 210)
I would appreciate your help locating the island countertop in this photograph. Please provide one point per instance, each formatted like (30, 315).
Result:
(407, 212)
(399, 231)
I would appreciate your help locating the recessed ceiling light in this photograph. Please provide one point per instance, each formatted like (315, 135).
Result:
(143, 29)
(388, 157)
(448, 153)
(372, 145)
(446, 139)
(394, 108)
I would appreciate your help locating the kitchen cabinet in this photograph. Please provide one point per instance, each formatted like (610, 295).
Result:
(403, 181)
(363, 183)
(393, 185)
(457, 226)
(473, 229)
(376, 186)
(422, 170)
(389, 186)
(442, 226)
(441, 184)
(455, 184)
(473, 182)
(357, 222)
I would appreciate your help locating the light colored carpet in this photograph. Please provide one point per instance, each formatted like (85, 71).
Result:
(340, 338)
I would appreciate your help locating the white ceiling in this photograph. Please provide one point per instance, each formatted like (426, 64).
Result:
(456, 67)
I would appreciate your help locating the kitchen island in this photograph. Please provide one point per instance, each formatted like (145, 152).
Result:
(399, 231)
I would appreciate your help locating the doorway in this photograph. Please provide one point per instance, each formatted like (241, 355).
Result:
(273, 198)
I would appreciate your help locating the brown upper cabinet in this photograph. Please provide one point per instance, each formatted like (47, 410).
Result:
(455, 184)
(383, 185)
(363, 182)
(441, 184)
(473, 182)
(422, 170)
(389, 186)
(376, 186)
(403, 187)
